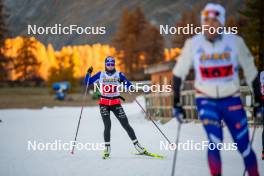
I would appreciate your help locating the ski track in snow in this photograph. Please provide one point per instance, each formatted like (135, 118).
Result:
(59, 123)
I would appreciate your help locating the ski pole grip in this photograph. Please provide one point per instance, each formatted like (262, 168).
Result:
(90, 70)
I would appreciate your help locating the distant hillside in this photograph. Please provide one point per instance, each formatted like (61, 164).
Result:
(93, 13)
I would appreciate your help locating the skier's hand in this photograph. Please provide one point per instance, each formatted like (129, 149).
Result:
(179, 113)
(258, 110)
(90, 70)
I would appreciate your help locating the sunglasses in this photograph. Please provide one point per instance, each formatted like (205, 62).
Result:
(209, 12)
(110, 64)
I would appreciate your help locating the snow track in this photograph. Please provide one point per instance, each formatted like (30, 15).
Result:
(50, 124)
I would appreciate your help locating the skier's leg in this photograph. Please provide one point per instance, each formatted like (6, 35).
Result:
(121, 116)
(236, 121)
(209, 116)
(105, 113)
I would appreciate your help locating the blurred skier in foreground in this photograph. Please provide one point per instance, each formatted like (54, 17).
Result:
(216, 59)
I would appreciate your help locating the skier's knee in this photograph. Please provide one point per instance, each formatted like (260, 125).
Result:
(214, 141)
(127, 127)
(107, 128)
(245, 150)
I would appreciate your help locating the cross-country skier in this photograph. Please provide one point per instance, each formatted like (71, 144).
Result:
(110, 101)
(216, 58)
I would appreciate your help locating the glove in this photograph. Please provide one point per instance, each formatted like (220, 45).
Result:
(258, 110)
(88, 75)
(90, 70)
(179, 113)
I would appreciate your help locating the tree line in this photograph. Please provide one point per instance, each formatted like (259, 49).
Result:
(31, 61)
(137, 44)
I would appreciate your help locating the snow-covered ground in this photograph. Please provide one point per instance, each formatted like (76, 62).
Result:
(50, 124)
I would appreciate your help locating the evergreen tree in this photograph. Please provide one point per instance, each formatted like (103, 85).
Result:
(26, 64)
(153, 47)
(253, 31)
(128, 37)
(138, 42)
(63, 70)
(190, 17)
(4, 61)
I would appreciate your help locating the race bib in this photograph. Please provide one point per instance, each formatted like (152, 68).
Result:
(213, 72)
(109, 89)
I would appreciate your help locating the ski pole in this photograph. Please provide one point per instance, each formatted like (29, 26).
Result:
(77, 130)
(151, 119)
(252, 138)
(254, 118)
(176, 150)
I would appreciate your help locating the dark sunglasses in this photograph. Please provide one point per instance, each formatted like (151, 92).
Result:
(110, 64)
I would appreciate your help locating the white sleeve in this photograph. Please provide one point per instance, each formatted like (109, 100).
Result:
(246, 61)
(184, 61)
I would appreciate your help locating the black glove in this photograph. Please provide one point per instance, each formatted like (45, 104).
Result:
(258, 109)
(179, 113)
(90, 70)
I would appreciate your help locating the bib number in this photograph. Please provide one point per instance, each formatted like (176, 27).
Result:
(109, 89)
(216, 72)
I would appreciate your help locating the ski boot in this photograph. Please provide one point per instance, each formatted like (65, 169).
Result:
(106, 152)
(262, 154)
(106, 155)
(141, 150)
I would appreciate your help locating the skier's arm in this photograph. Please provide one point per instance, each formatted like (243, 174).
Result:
(92, 79)
(181, 70)
(124, 80)
(251, 74)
